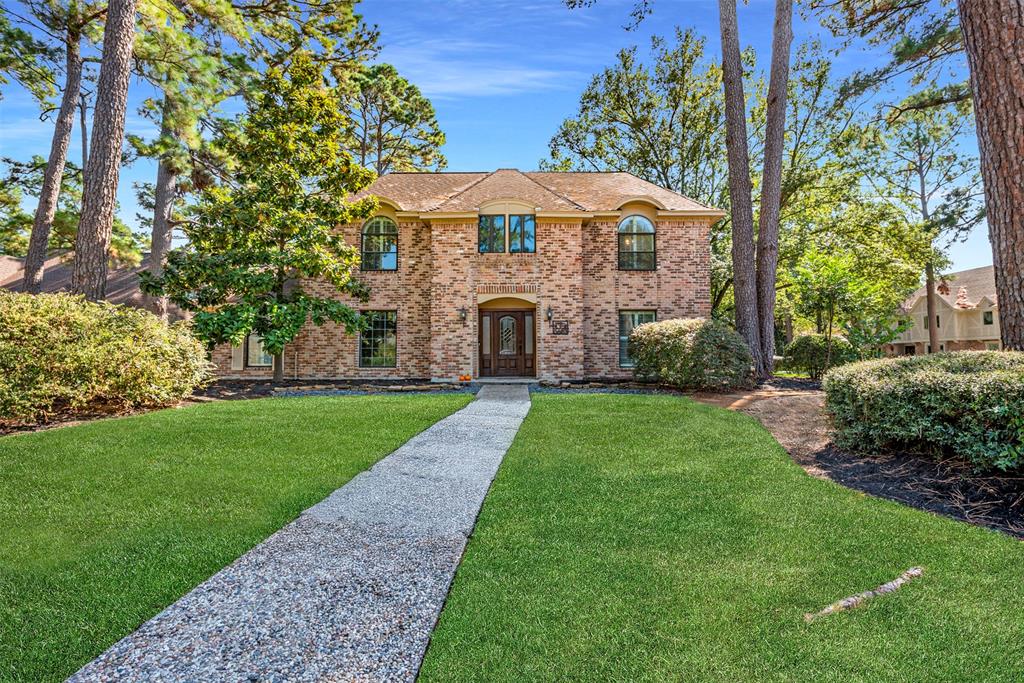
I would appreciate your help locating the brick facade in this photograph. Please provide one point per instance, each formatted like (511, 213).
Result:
(442, 281)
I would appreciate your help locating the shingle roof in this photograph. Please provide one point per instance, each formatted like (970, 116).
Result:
(548, 191)
(976, 283)
(122, 283)
(9, 265)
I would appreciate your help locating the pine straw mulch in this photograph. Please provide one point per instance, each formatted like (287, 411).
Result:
(795, 416)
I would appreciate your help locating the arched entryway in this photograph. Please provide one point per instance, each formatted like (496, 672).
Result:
(507, 338)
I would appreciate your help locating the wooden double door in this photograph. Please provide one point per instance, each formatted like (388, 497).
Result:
(508, 343)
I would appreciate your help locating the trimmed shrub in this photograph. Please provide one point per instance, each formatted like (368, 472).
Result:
(691, 354)
(809, 353)
(61, 354)
(968, 404)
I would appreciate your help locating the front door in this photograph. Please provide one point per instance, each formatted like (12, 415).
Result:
(507, 344)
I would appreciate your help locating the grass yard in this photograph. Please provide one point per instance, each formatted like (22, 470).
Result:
(106, 523)
(650, 538)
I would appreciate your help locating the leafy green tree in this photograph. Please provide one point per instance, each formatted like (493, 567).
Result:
(25, 59)
(663, 120)
(660, 119)
(392, 126)
(917, 164)
(929, 40)
(923, 39)
(255, 238)
(28, 180)
(65, 24)
(200, 54)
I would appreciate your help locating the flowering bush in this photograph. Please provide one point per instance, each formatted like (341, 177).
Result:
(61, 354)
(810, 353)
(691, 354)
(969, 404)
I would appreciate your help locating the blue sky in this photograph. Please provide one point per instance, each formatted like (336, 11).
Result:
(502, 75)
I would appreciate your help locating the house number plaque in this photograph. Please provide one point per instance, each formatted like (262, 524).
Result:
(559, 327)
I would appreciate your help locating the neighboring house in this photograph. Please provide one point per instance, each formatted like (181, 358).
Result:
(122, 283)
(506, 274)
(967, 312)
(9, 265)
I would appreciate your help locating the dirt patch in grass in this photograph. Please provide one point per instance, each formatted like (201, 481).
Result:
(793, 411)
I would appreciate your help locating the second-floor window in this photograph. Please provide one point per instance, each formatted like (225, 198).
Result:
(514, 233)
(636, 244)
(380, 244)
(491, 238)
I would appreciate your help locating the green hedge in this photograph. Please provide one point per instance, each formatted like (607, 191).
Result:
(809, 353)
(969, 404)
(61, 355)
(691, 354)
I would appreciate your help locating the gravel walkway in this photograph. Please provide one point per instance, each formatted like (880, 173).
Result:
(351, 590)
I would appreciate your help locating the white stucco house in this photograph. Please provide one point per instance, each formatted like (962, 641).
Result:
(967, 311)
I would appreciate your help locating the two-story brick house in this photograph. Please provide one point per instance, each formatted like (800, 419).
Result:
(507, 274)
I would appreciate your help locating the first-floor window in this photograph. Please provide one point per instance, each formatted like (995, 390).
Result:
(987, 318)
(627, 321)
(255, 355)
(378, 342)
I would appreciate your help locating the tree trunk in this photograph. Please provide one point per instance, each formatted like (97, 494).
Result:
(50, 192)
(994, 37)
(99, 188)
(83, 113)
(279, 367)
(929, 302)
(744, 276)
(163, 229)
(771, 184)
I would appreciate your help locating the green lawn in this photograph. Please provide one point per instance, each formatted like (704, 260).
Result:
(106, 523)
(649, 538)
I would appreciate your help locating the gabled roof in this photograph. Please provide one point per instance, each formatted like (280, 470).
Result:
(963, 289)
(122, 283)
(548, 191)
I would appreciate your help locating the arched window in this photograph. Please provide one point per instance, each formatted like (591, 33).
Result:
(636, 244)
(380, 244)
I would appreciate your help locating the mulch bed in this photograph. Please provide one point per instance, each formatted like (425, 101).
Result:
(947, 487)
(234, 389)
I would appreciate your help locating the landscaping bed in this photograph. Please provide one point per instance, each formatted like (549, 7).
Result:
(237, 389)
(948, 487)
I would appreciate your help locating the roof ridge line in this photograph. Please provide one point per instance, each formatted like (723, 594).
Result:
(465, 189)
(526, 175)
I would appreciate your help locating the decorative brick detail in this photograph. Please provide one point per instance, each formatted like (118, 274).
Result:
(574, 274)
(507, 289)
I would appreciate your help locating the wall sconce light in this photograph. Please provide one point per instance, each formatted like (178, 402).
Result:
(549, 314)
(463, 314)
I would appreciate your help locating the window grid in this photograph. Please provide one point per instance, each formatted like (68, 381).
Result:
(637, 244)
(628, 320)
(378, 343)
(379, 249)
